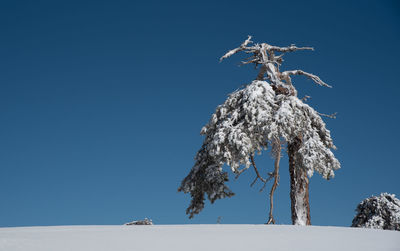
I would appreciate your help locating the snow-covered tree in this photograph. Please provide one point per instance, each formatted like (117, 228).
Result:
(379, 212)
(261, 115)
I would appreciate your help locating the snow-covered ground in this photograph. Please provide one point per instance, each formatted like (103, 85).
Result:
(196, 237)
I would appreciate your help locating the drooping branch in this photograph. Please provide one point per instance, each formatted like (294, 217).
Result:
(286, 75)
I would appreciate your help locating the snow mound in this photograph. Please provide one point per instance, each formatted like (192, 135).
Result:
(196, 237)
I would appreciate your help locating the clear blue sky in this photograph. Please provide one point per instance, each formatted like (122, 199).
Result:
(102, 102)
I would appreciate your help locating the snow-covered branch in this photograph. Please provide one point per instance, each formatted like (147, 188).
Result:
(313, 77)
(263, 56)
(290, 48)
(242, 47)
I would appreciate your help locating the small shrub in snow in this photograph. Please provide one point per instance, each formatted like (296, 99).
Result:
(379, 212)
(140, 222)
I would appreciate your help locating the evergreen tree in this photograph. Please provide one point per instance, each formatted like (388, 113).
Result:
(379, 212)
(261, 115)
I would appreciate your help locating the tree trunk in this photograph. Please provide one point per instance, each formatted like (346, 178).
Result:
(299, 194)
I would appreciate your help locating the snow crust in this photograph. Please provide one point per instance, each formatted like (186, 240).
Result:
(196, 237)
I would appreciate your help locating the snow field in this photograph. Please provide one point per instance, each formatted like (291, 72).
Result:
(196, 237)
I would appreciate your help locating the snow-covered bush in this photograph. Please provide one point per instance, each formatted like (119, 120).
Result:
(379, 212)
(140, 222)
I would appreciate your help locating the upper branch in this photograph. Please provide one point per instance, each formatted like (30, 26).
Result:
(288, 48)
(263, 55)
(240, 48)
(315, 78)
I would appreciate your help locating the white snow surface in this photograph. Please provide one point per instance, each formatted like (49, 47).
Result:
(196, 237)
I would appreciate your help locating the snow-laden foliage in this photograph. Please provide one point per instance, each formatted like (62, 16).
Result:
(206, 177)
(379, 212)
(249, 121)
(241, 125)
(295, 118)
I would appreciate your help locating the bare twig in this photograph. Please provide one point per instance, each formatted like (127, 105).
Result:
(256, 170)
(238, 172)
(258, 176)
(305, 98)
(332, 116)
(249, 62)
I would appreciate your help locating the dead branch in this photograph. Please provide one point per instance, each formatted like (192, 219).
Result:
(332, 116)
(238, 172)
(236, 50)
(263, 57)
(290, 48)
(253, 61)
(256, 170)
(315, 78)
(258, 176)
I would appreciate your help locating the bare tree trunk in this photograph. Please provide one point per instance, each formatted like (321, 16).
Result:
(299, 194)
(271, 219)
